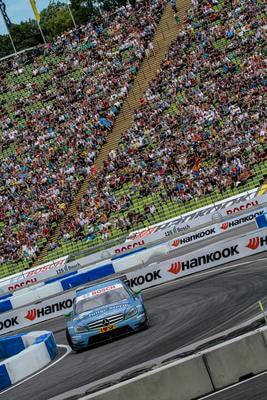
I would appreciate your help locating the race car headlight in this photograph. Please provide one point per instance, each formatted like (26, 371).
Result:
(133, 311)
(80, 329)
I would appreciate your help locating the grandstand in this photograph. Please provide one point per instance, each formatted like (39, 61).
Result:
(57, 109)
(197, 136)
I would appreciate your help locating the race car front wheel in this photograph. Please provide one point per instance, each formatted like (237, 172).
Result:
(70, 342)
(146, 323)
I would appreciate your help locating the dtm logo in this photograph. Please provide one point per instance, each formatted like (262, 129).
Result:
(142, 234)
(176, 243)
(255, 242)
(31, 315)
(224, 226)
(175, 268)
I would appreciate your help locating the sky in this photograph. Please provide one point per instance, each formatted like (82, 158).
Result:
(20, 10)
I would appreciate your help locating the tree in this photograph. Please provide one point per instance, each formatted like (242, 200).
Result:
(26, 34)
(5, 46)
(55, 19)
(82, 10)
(109, 5)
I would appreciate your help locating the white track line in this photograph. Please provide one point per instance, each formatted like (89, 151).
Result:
(232, 386)
(196, 275)
(68, 350)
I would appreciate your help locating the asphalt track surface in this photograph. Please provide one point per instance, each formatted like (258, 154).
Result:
(181, 313)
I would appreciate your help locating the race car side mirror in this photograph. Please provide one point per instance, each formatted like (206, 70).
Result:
(138, 292)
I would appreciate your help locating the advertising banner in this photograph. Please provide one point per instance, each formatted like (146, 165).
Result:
(200, 260)
(199, 217)
(214, 230)
(177, 226)
(34, 275)
(177, 267)
(35, 313)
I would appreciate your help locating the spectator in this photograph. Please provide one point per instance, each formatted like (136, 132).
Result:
(57, 105)
(198, 127)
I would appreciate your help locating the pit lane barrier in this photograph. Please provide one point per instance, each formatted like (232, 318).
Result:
(25, 354)
(152, 275)
(137, 258)
(59, 267)
(198, 375)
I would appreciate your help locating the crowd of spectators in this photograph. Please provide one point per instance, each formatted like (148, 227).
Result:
(57, 105)
(201, 125)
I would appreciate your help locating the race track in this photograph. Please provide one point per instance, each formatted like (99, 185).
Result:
(181, 313)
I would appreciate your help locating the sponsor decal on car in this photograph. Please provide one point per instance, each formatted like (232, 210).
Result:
(98, 292)
(109, 308)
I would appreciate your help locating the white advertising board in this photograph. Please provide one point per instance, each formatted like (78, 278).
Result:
(108, 253)
(177, 225)
(35, 313)
(198, 217)
(200, 260)
(214, 230)
(34, 275)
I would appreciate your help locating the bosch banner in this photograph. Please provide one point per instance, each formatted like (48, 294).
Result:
(34, 275)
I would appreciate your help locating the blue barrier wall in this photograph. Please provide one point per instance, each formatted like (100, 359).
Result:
(15, 346)
(11, 345)
(88, 276)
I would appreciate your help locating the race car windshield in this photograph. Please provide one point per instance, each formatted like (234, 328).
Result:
(99, 300)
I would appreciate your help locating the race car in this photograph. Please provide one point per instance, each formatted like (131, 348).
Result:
(104, 311)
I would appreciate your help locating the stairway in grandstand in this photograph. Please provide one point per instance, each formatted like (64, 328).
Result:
(166, 31)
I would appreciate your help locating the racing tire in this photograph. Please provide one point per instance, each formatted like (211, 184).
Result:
(77, 350)
(146, 323)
